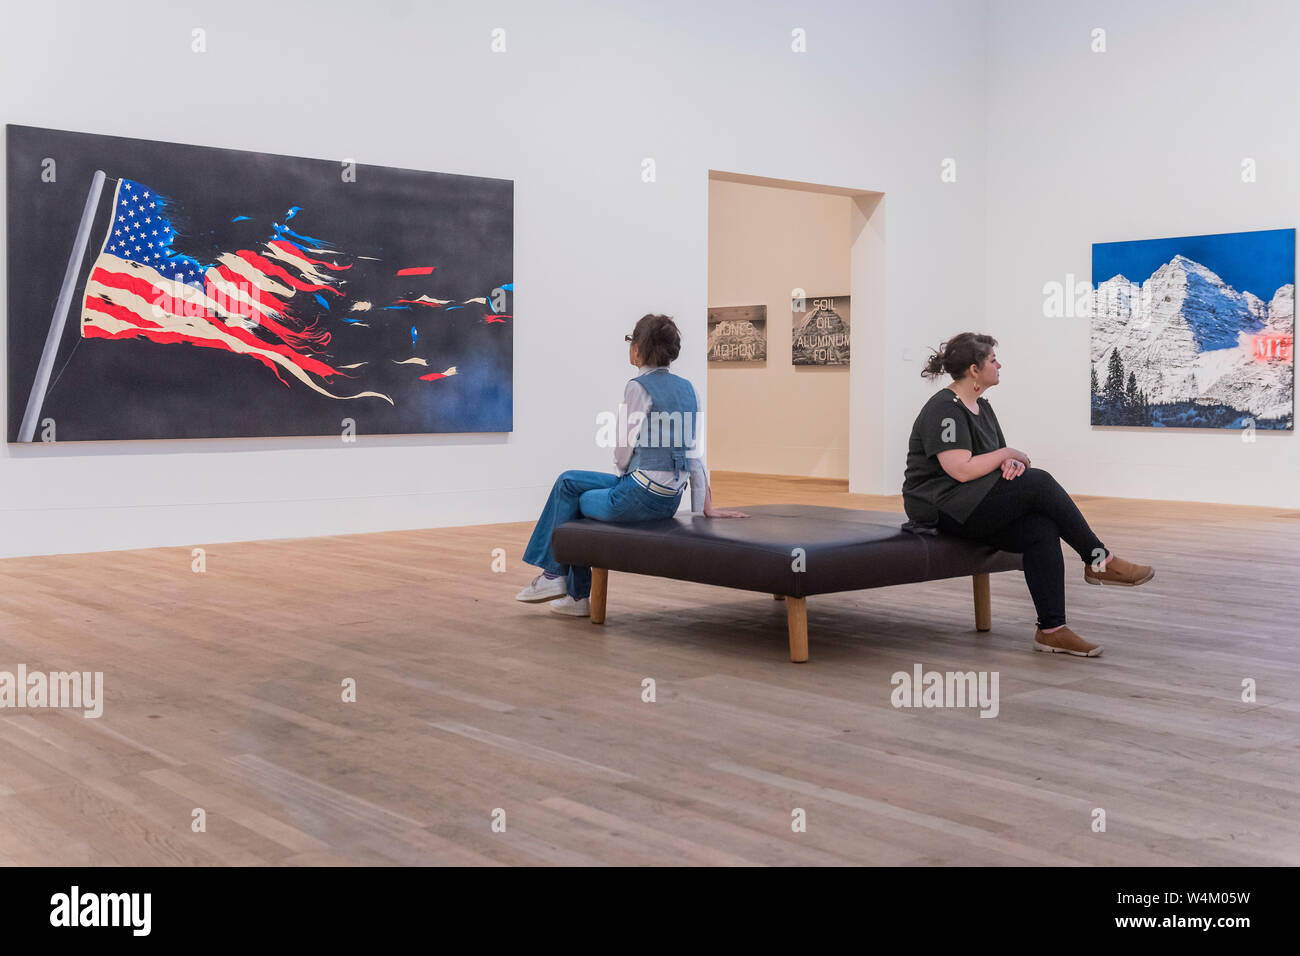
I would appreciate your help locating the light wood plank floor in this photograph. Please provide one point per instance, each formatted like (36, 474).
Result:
(223, 693)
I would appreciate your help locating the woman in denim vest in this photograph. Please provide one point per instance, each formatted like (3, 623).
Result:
(657, 454)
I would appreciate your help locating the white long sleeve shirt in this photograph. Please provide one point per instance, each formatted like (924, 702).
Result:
(637, 400)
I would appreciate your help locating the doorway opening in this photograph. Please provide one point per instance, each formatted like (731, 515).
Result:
(796, 329)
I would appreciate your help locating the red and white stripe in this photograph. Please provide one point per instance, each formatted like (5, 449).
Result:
(125, 299)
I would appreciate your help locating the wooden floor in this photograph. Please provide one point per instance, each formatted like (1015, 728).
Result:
(224, 693)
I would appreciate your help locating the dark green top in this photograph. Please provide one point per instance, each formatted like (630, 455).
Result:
(945, 423)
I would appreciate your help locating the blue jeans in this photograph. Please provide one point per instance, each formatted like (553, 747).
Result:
(591, 494)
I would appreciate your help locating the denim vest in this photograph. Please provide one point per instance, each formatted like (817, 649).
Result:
(672, 403)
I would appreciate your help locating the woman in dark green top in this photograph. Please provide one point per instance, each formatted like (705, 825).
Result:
(962, 479)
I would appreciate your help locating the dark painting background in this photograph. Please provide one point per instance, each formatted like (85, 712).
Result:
(134, 389)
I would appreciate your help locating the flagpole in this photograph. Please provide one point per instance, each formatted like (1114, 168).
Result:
(27, 430)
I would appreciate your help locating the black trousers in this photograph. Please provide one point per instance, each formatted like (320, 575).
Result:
(1029, 515)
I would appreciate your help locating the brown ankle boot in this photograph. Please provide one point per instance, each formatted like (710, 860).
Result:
(1064, 641)
(1121, 572)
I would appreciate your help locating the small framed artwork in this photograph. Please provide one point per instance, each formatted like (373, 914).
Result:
(738, 333)
(820, 331)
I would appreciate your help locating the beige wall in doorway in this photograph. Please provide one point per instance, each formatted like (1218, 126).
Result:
(774, 418)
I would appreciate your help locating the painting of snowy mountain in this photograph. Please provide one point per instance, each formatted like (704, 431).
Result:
(1195, 332)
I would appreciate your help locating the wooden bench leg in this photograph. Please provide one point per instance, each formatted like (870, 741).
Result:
(796, 616)
(983, 609)
(599, 591)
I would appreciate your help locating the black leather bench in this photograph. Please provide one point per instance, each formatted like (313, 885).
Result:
(788, 551)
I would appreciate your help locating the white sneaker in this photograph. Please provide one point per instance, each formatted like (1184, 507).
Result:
(542, 589)
(567, 605)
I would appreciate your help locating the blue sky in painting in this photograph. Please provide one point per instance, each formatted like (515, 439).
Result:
(1257, 262)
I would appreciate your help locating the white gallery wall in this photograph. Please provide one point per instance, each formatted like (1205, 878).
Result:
(1145, 140)
(582, 95)
(772, 417)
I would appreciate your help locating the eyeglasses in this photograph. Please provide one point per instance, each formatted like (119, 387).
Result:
(627, 338)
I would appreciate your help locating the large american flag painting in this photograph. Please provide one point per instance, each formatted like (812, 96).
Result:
(226, 293)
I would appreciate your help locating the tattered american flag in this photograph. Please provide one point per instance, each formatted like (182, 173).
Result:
(140, 287)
